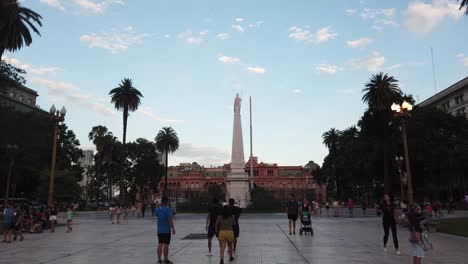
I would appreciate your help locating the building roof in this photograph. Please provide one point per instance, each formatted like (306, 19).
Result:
(451, 89)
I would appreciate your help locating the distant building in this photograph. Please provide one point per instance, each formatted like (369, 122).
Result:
(453, 100)
(85, 161)
(18, 96)
(281, 180)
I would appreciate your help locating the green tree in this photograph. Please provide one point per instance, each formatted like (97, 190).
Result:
(167, 142)
(126, 98)
(330, 140)
(10, 75)
(380, 92)
(15, 25)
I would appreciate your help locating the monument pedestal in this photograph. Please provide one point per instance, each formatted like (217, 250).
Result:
(238, 187)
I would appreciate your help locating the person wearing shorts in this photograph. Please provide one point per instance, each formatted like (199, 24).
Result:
(52, 218)
(213, 212)
(7, 223)
(165, 225)
(292, 209)
(226, 235)
(69, 219)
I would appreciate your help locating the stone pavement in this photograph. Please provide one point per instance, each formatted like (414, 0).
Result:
(264, 239)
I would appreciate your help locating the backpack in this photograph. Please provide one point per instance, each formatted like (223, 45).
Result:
(426, 242)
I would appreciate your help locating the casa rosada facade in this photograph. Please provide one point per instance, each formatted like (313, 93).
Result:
(189, 178)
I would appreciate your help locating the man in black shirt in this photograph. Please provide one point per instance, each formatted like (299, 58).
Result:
(236, 211)
(213, 212)
(292, 209)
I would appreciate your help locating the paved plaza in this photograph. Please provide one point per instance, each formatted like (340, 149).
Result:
(264, 239)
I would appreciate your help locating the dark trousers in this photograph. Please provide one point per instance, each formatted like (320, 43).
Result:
(387, 226)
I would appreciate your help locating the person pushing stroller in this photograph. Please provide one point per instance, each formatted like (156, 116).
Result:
(306, 221)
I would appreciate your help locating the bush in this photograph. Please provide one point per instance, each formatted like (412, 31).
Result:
(263, 201)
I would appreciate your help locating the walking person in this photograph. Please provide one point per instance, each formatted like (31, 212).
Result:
(53, 218)
(17, 221)
(69, 219)
(7, 223)
(118, 213)
(126, 213)
(327, 208)
(293, 210)
(213, 212)
(414, 218)
(389, 221)
(226, 234)
(236, 211)
(143, 209)
(111, 213)
(165, 225)
(364, 206)
(350, 206)
(336, 208)
(153, 208)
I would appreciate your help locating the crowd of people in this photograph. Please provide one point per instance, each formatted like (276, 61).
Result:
(21, 218)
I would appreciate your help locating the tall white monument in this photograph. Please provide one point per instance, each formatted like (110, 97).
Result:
(237, 179)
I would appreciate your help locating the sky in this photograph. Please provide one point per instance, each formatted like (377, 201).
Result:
(303, 63)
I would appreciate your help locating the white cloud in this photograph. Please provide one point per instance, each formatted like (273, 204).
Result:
(423, 17)
(350, 12)
(204, 155)
(54, 3)
(257, 24)
(358, 43)
(204, 33)
(53, 85)
(323, 35)
(194, 40)
(31, 69)
(379, 17)
(238, 28)
(239, 20)
(96, 7)
(222, 36)
(256, 70)
(73, 95)
(228, 60)
(394, 67)
(114, 41)
(328, 69)
(463, 59)
(302, 34)
(371, 63)
(347, 91)
(149, 113)
(184, 34)
(296, 91)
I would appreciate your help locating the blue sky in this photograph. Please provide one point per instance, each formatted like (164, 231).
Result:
(303, 62)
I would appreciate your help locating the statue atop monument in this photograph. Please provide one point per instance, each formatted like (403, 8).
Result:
(237, 104)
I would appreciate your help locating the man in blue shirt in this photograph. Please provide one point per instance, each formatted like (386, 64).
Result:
(7, 223)
(165, 225)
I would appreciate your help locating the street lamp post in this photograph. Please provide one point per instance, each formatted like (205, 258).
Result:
(56, 117)
(399, 159)
(11, 150)
(403, 111)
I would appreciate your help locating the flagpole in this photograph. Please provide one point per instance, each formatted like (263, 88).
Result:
(251, 146)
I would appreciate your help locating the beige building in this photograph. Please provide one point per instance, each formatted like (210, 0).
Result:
(453, 100)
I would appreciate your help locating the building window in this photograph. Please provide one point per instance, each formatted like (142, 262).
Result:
(20, 98)
(459, 99)
(12, 94)
(270, 172)
(197, 186)
(445, 106)
(289, 186)
(255, 172)
(284, 186)
(270, 185)
(299, 186)
(461, 111)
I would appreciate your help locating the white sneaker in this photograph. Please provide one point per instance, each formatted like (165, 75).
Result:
(385, 249)
(398, 252)
(209, 254)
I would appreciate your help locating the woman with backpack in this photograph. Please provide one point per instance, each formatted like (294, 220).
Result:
(415, 217)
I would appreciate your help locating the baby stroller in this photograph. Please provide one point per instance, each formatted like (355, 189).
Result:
(306, 224)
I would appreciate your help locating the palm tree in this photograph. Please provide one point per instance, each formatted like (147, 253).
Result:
(464, 4)
(331, 139)
(127, 98)
(381, 91)
(167, 142)
(15, 24)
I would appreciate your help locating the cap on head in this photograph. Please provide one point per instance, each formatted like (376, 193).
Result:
(231, 201)
(164, 200)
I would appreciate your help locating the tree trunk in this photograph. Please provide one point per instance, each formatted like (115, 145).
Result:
(387, 188)
(122, 195)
